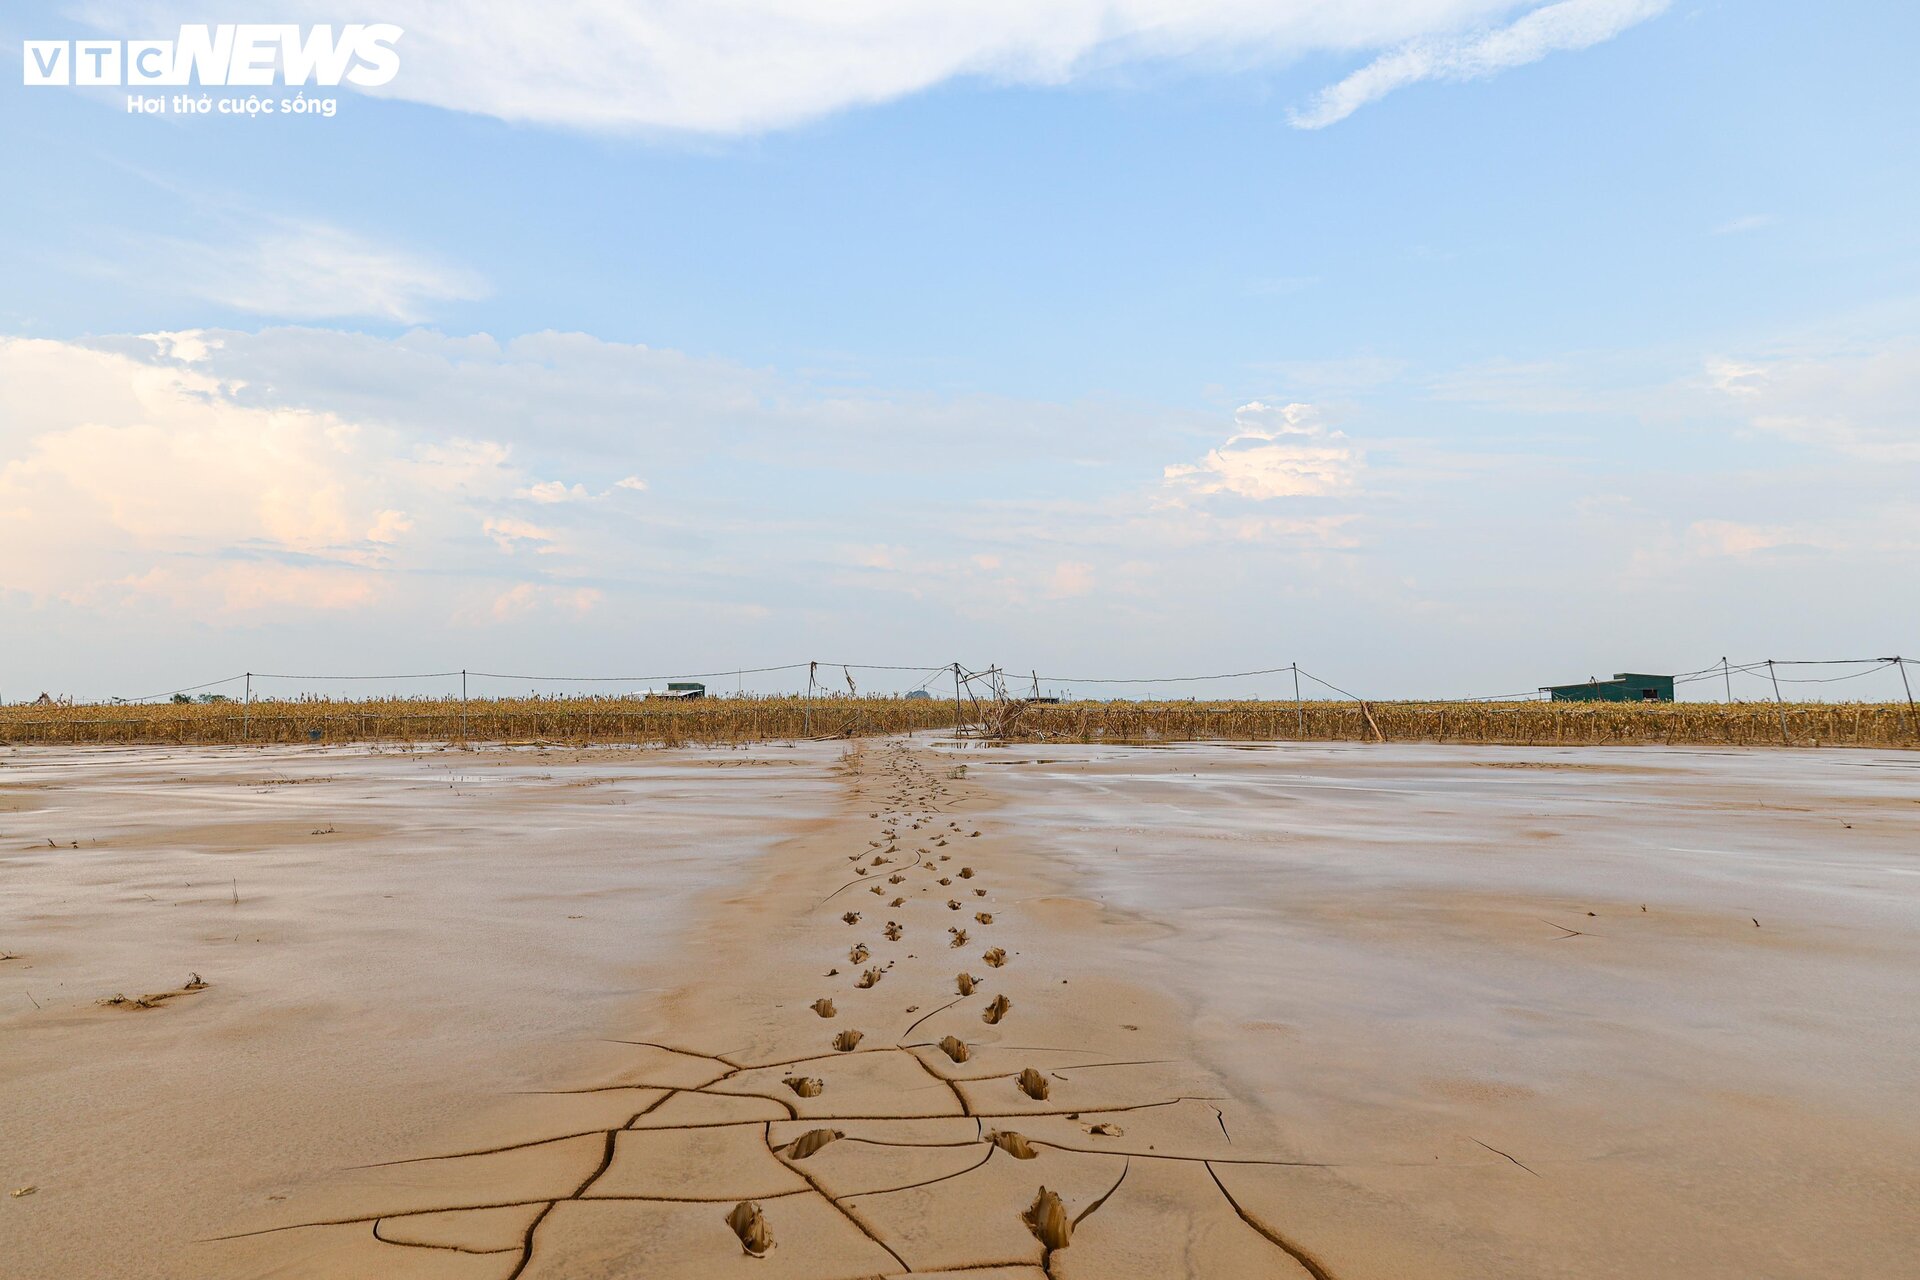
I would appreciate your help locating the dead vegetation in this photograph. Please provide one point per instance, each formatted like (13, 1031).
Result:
(737, 721)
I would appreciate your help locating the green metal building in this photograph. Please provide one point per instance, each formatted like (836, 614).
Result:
(1624, 687)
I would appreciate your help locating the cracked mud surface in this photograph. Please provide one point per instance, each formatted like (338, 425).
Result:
(974, 1132)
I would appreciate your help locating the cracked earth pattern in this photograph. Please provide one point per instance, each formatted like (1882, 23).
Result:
(951, 1121)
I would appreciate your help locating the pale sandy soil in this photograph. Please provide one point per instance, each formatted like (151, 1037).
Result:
(1296, 1011)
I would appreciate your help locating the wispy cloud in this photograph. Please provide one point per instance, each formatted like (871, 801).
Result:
(1555, 28)
(1750, 222)
(312, 271)
(747, 66)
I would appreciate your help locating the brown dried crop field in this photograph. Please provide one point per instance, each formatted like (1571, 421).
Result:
(737, 721)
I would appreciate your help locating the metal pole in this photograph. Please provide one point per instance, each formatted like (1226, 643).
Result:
(1902, 664)
(807, 722)
(1299, 711)
(463, 704)
(1726, 673)
(956, 701)
(246, 708)
(1779, 704)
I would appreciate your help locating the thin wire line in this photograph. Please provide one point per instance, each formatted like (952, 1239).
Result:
(409, 675)
(1229, 675)
(679, 675)
(189, 689)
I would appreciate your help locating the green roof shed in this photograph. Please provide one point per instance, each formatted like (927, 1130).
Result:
(1624, 687)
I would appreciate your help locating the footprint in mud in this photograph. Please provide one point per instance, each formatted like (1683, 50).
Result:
(898, 902)
(805, 1086)
(959, 937)
(848, 1040)
(895, 878)
(994, 956)
(1013, 1144)
(869, 978)
(966, 873)
(851, 917)
(997, 1009)
(858, 953)
(893, 931)
(1047, 1219)
(751, 1227)
(952, 905)
(965, 983)
(823, 1007)
(979, 893)
(955, 1048)
(945, 880)
(811, 1141)
(984, 917)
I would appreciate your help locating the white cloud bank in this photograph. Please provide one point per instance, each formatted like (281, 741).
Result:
(1556, 28)
(745, 66)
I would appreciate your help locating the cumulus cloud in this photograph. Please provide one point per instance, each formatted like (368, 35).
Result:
(742, 66)
(1555, 28)
(157, 479)
(1276, 451)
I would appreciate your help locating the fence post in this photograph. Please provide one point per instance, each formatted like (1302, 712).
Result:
(1779, 705)
(1913, 721)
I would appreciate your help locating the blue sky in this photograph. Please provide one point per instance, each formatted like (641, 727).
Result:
(742, 336)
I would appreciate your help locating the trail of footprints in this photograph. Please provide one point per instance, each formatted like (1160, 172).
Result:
(971, 1121)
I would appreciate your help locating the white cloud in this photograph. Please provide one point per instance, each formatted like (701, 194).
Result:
(1731, 538)
(743, 66)
(553, 491)
(509, 532)
(634, 483)
(1564, 26)
(1277, 451)
(157, 480)
(307, 271)
(1862, 404)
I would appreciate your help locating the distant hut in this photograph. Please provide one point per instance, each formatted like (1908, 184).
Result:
(1624, 687)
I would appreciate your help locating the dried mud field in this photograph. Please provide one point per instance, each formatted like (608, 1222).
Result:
(916, 1007)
